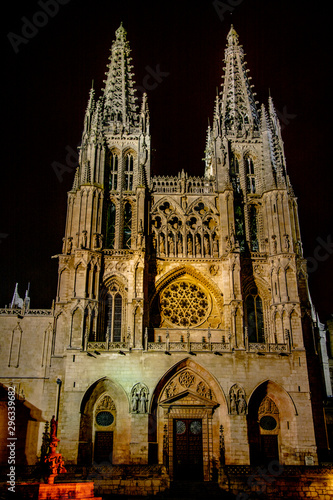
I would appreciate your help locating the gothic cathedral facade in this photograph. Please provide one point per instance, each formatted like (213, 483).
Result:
(179, 329)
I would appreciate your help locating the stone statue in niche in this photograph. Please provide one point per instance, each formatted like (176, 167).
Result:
(69, 245)
(139, 398)
(286, 242)
(84, 239)
(238, 404)
(241, 404)
(233, 405)
(142, 402)
(171, 244)
(162, 247)
(215, 246)
(179, 246)
(197, 246)
(135, 402)
(189, 246)
(206, 246)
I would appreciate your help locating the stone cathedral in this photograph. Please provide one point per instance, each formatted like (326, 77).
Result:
(181, 329)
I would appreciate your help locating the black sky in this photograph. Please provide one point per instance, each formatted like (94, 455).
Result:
(45, 89)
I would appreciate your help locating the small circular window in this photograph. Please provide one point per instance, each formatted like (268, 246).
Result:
(268, 423)
(180, 427)
(195, 427)
(104, 418)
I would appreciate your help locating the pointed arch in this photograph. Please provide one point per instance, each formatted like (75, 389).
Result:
(79, 284)
(129, 160)
(112, 312)
(77, 327)
(206, 205)
(64, 284)
(112, 159)
(188, 391)
(282, 399)
(270, 407)
(191, 271)
(178, 210)
(104, 387)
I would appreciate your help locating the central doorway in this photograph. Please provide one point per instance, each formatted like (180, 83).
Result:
(187, 439)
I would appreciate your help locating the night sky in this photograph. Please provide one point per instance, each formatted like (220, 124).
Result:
(45, 87)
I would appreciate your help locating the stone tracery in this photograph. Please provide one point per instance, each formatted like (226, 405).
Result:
(184, 303)
(185, 234)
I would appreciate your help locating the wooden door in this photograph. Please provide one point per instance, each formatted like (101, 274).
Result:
(187, 445)
(103, 446)
(269, 448)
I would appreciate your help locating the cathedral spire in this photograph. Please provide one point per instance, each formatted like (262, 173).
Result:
(238, 107)
(119, 92)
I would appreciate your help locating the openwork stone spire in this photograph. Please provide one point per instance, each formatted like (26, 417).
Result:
(238, 111)
(119, 92)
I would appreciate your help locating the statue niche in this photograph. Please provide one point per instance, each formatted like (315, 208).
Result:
(139, 398)
(237, 400)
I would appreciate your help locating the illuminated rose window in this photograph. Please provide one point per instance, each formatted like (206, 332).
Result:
(184, 304)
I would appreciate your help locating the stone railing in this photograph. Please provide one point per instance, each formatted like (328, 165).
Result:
(186, 346)
(117, 252)
(107, 346)
(25, 312)
(259, 347)
(196, 185)
(189, 346)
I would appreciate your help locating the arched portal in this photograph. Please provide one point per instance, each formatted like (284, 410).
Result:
(103, 436)
(270, 413)
(188, 408)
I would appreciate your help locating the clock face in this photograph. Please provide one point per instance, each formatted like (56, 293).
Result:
(268, 423)
(104, 418)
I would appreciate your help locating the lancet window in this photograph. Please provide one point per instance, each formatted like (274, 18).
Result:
(255, 318)
(253, 221)
(113, 171)
(250, 178)
(110, 226)
(128, 178)
(127, 234)
(239, 224)
(191, 235)
(111, 314)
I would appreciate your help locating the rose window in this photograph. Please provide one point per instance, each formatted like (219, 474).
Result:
(184, 304)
